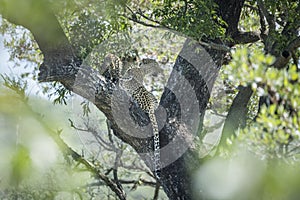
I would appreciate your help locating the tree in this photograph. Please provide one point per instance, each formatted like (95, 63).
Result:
(213, 30)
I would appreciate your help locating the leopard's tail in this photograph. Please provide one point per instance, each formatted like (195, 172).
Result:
(156, 157)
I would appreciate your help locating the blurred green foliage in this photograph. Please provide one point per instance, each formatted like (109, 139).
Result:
(275, 131)
(269, 171)
(20, 165)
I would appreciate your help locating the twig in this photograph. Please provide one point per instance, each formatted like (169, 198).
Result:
(156, 191)
(144, 23)
(140, 181)
(66, 150)
(116, 166)
(210, 45)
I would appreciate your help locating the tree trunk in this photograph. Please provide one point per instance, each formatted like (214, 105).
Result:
(182, 105)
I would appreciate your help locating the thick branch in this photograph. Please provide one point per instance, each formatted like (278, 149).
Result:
(230, 11)
(285, 56)
(39, 19)
(237, 114)
(271, 45)
(245, 37)
(269, 17)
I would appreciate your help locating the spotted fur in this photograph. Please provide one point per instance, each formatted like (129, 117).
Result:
(147, 103)
(132, 82)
